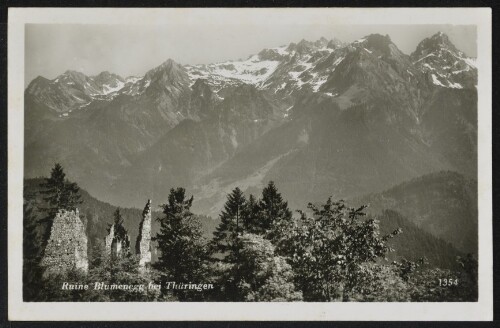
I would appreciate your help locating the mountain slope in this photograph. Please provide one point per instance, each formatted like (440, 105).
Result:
(319, 118)
(443, 204)
(415, 243)
(380, 124)
(99, 140)
(329, 151)
(192, 149)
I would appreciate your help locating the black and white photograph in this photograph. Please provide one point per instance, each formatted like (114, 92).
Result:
(197, 160)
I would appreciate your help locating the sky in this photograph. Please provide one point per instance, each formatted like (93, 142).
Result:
(51, 49)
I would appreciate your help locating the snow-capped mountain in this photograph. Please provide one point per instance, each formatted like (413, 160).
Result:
(305, 66)
(318, 117)
(285, 68)
(282, 70)
(444, 64)
(72, 90)
(109, 83)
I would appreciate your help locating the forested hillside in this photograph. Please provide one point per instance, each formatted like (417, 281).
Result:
(443, 204)
(98, 215)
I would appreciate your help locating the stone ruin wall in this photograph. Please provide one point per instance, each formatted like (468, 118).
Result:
(109, 240)
(115, 246)
(67, 245)
(143, 244)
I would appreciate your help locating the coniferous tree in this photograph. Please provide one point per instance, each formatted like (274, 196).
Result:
(274, 213)
(120, 233)
(32, 254)
(251, 215)
(59, 194)
(181, 245)
(232, 223)
(226, 244)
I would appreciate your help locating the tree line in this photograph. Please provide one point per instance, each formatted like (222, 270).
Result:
(260, 251)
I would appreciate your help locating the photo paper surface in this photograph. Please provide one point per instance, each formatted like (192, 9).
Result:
(250, 164)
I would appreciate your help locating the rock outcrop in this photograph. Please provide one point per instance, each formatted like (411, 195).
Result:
(143, 244)
(67, 245)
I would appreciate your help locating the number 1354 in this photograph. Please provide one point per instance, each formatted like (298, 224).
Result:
(448, 282)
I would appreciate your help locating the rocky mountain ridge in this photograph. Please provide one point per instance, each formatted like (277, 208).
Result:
(319, 118)
(305, 64)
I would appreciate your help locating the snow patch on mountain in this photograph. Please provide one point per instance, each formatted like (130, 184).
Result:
(251, 71)
(436, 81)
(107, 88)
(133, 79)
(281, 50)
(447, 66)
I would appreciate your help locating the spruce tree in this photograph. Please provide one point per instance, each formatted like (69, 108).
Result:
(251, 215)
(60, 193)
(120, 233)
(232, 224)
(120, 230)
(31, 255)
(181, 245)
(273, 213)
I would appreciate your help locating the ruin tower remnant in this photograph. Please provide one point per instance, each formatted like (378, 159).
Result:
(67, 245)
(109, 240)
(117, 242)
(143, 243)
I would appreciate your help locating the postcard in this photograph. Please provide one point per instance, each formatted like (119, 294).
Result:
(250, 164)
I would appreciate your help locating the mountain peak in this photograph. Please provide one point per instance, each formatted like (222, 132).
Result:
(167, 67)
(379, 43)
(168, 73)
(441, 39)
(71, 76)
(73, 73)
(39, 79)
(321, 42)
(435, 43)
(106, 74)
(440, 35)
(334, 43)
(170, 65)
(445, 64)
(380, 37)
(37, 83)
(303, 46)
(378, 40)
(169, 62)
(107, 77)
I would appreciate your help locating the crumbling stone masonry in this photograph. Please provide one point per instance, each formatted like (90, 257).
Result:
(67, 245)
(116, 243)
(120, 246)
(109, 240)
(143, 243)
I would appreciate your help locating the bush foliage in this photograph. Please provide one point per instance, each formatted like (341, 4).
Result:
(260, 251)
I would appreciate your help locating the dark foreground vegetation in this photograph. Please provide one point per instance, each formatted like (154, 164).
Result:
(259, 251)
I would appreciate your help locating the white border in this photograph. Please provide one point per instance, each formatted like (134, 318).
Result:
(18, 310)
